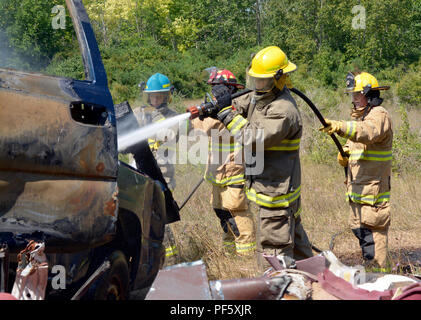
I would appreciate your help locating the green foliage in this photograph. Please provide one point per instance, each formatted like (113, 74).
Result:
(180, 38)
(406, 146)
(124, 157)
(28, 31)
(320, 148)
(67, 65)
(409, 87)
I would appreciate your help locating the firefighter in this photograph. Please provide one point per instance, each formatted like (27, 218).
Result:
(270, 112)
(369, 147)
(157, 95)
(228, 198)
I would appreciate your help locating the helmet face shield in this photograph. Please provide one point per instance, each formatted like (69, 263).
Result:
(350, 82)
(155, 99)
(260, 84)
(358, 99)
(209, 74)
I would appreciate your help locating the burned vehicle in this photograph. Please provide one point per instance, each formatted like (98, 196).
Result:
(62, 185)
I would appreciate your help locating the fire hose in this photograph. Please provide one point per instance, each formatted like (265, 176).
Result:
(322, 120)
(206, 108)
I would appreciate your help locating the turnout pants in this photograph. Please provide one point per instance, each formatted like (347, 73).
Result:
(370, 224)
(171, 250)
(280, 232)
(232, 198)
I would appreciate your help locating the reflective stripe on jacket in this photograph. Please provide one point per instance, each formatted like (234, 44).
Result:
(370, 162)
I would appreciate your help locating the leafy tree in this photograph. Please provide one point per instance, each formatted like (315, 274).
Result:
(27, 30)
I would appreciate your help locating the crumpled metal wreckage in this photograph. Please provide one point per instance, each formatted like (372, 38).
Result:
(322, 277)
(32, 273)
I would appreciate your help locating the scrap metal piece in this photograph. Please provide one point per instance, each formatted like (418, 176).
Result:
(184, 281)
(354, 275)
(344, 290)
(262, 288)
(300, 287)
(310, 267)
(32, 273)
(313, 265)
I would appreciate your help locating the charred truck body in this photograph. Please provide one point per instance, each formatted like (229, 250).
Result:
(61, 182)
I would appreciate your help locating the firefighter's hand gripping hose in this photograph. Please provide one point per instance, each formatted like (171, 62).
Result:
(343, 161)
(333, 126)
(211, 108)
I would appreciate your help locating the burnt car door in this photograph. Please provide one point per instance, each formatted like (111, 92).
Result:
(60, 178)
(58, 152)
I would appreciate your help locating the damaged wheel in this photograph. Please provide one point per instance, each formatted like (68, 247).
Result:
(114, 283)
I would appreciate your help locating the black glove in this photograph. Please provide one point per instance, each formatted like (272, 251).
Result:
(227, 219)
(222, 95)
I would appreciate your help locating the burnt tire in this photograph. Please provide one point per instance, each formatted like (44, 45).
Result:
(114, 283)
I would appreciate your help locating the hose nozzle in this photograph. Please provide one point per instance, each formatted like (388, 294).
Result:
(198, 111)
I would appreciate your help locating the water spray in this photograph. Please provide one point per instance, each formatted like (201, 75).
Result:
(133, 137)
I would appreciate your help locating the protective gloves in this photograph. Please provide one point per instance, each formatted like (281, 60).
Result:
(227, 219)
(332, 126)
(222, 95)
(343, 161)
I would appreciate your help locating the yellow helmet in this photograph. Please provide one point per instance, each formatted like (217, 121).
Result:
(362, 82)
(268, 61)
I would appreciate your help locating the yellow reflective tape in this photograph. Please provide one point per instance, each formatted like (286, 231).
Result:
(170, 251)
(226, 108)
(224, 182)
(171, 248)
(297, 214)
(351, 127)
(154, 144)
(166, 85)
(244, 247)
(371, 155)
(286, 145)
(160, 120)
(229, 244)
(282, 201)
(236, 124)
(368, 199)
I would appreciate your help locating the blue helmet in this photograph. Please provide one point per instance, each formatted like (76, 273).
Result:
(158, 83)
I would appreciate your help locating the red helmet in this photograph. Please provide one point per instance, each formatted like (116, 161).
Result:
(224, 76)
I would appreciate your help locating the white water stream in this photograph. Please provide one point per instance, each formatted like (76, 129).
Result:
(133, 137)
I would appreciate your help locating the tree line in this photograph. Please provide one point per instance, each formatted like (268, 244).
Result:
(180, 38)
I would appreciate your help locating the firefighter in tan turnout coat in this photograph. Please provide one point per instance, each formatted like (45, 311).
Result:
(227, 177)
(274, 193)
(369, 147)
